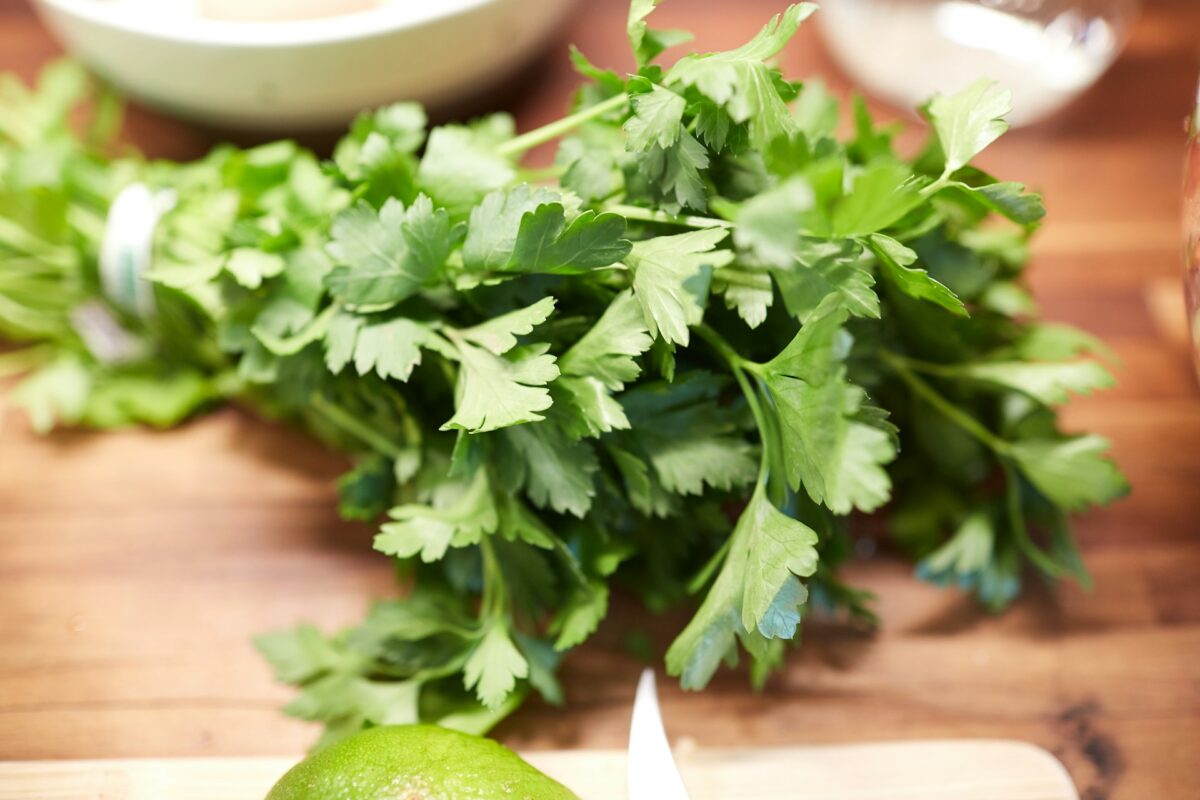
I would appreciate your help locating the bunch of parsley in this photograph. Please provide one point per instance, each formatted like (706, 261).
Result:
(679, 360)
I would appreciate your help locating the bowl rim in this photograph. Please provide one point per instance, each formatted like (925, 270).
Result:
(184, 29)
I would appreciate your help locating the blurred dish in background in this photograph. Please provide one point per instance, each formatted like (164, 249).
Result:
(1191, 230)
(1045, 51)
(249, 10)
(291, 65)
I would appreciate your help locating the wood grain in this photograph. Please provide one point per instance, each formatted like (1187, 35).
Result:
(985, 770)
(134, 567)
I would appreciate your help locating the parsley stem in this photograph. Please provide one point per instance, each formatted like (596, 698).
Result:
(650, 215)
(23, 241)
(552, 172)
(493, 604)
(756, 280)
(931, 189)
(950, 411)
(86, 221)
(706, 573)
(343, 419)
(1020, 532)
(531, 139)
(718, 343)
(738, 366)
(18, 361)
(928, 367)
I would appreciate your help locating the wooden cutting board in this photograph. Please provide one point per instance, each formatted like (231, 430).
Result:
(958, 770)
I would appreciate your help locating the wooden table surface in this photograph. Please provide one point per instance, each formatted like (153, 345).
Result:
(135, 567)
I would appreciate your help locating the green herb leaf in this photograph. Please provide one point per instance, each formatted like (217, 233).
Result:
(392, 347)
(755, 588)
(555, 470)
(386, 256)
(676, 171)
(967, 122)
(972, 560)
(465, 513)
(656, 120)
(739, 81)
(827, 450)
(525, 230)
(1009, 199)
(1047, 383)
(671, 277)
(829, 274)
(581, 616)
(770, 224)
(688, 442)
(461, 164)
(779, 549)
(298, 655)
(250, 267)
(499, 334)
(878, 198)
(746, 288)
(646, 43)
(494, 391)
(1072, 473)
(494, 666)
(895, 261)
(609, 349)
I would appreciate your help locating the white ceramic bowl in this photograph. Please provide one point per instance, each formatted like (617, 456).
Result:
(304, 74)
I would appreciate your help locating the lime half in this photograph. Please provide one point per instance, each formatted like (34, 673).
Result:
(416, 762)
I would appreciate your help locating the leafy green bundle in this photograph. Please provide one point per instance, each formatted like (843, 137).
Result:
(678, 360)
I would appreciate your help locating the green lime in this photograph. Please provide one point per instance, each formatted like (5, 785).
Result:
(416, 762)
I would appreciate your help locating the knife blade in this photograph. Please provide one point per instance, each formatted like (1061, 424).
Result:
(653, 774)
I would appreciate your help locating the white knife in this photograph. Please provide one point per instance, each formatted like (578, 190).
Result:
(652, 771)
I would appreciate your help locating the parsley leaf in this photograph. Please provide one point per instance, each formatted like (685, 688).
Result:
(671, 278)
(770, 224)
(463, 516)
(461, 165)
(647, 43)
(687, 441)
(739, 81)
(546, 243)
(896, 262)
(298, 655)
(250, 267)
(557, 471)
(581, 616)
(602, 361)
(827, 449)
(747, 288)
(756, 588)
(967, 122)
(1073, 472)
(525, 230)
(828, 273)
(494, 666)
(1049, 383)
(676, 172)
(392, 347)
(499, 334)
(973, 559)
(878, 198)
(492, 231)
(657, 119)
(386, 256)
(495, 392)
(608, 350)
(779, 549)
